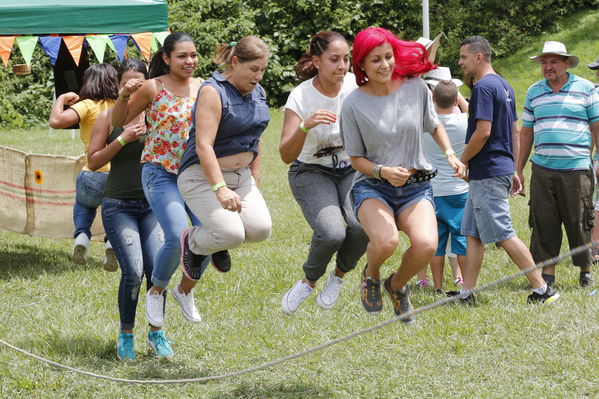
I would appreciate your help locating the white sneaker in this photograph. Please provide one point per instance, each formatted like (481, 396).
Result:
(110, 262)
(155, 309)
(295, 296)
(80, 249)
(327, 297)
(190, 312)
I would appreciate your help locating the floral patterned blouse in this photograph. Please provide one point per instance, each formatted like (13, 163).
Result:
(169, 119)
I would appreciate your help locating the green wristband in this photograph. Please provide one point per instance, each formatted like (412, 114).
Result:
(121, 140)
(218, 185)
(303, 128)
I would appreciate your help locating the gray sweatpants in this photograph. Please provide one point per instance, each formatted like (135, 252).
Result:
(323, 196)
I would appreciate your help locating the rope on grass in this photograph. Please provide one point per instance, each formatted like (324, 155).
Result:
(305, 352)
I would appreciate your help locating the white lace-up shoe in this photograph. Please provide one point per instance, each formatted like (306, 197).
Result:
(155, 308)
(190, 312)
(110, 262)
(327, 297)
(80, 249)
(295, 296)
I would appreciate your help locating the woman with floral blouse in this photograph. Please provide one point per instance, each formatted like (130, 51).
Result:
(167, 97)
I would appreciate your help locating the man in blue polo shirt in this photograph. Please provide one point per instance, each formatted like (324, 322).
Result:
(492, 140)
(561, 114)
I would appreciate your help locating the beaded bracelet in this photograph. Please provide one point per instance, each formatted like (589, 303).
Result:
(376, 171)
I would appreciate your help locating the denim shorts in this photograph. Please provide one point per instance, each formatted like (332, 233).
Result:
(449, 210)
(487, 213)
(396, 198)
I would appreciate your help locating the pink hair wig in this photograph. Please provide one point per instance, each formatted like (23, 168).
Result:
(411, 58)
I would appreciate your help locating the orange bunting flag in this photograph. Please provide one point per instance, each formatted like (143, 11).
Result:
(6, 43)
(143, 41)
(74, 44)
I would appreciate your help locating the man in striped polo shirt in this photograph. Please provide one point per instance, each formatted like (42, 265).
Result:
(561, 114)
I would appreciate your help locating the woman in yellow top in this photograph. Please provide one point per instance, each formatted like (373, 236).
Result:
(97, 94)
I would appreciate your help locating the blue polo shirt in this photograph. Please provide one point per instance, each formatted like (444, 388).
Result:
(560, 122)
(492, 99)
(243, 119)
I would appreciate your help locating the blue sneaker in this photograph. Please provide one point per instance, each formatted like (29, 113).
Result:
(159, 343)
(124, 347)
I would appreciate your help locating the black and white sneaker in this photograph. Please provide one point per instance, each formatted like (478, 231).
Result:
(549, 296)
(190, 263)
(221, 261)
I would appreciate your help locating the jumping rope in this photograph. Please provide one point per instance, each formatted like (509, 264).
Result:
(305, 352)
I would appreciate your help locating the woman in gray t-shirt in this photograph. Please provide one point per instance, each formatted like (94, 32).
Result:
(381, 124)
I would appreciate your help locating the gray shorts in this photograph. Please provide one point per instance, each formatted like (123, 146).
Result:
(487, 212)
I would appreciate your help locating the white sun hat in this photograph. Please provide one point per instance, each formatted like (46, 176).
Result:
(556, 48)
(434, 76)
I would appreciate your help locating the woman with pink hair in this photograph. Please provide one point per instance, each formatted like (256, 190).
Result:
(382, 123)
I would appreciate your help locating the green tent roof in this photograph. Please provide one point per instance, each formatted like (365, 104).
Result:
(39, 17)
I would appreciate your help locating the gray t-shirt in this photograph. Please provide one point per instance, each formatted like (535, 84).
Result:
(387, 129)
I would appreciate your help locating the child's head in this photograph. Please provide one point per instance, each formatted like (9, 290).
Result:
(445, 94)
(100, 82)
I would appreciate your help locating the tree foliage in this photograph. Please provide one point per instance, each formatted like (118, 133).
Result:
(287, 25)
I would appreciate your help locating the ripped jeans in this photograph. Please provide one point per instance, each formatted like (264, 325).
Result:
(136, 237)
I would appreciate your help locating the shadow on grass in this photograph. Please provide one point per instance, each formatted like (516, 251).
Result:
(23, 261)
(272, 391)
(98, 356)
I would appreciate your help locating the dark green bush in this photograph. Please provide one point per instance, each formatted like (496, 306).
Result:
(287, 25)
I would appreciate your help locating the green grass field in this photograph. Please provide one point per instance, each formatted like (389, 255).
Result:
(501, 348)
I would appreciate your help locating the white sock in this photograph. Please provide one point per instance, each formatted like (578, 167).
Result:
(540, 290)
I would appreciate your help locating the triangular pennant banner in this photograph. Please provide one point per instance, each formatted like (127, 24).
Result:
(27, 45)
(120, 45)
(98, 45)
(143, 41)
(6, 48)
(160, 36)
(154, 44)
(74, 44)
(51, 45)
(108, 42)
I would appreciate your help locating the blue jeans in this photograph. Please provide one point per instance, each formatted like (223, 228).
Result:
(396, 198)
(135, 235)
(163, 195)
(89, 192)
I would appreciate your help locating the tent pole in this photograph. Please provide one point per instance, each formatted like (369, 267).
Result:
(425, 21)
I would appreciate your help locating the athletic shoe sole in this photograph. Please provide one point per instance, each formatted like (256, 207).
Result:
(552, 299)
(183, 238)
(111, 264)
(79, 254)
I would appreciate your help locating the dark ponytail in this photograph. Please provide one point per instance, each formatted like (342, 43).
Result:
(157, 66)
(305, 68)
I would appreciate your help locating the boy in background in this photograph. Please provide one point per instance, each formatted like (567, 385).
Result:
(449, 193)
